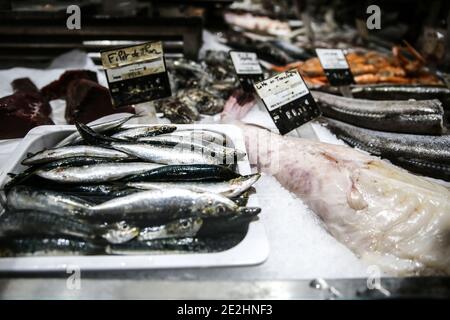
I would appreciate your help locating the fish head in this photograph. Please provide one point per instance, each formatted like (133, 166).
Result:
(120, 233)
(184, 227)
(215, 205)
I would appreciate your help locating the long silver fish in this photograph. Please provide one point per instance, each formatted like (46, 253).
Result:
(96, 173)
(424, 154)
(54, 154)
(179, 154)
(202, 135)
(229, 189)
(101, 127)
(186, 227)
(209, 147)
(26, 198)
(147, 131)
(417, 117)
(168, 204)
(31, 223)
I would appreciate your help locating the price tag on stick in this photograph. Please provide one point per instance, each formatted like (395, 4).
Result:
(336, 67)
(247, 68)
(288, 100)
(136, 74)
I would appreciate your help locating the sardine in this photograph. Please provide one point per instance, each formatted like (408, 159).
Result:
(188, 172)
(202, 135)
(96, 173)
(385, 215)
(166, 205)
(33, 223)
(25, 198)
(50, 155)
(101, 127)
(164, 154)
(205, 146)
(32, 246)
(417, 117)
(147, 131)
(419, 153)
(231, 188)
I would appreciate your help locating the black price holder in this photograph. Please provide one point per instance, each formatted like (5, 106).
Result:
(136, 74)
(336, 67)
(247, 68)
(288, 100)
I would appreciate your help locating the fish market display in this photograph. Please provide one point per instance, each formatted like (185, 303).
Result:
(429, 155)
(385, 215)
(121, 196)
(258, 24)
(421, 117)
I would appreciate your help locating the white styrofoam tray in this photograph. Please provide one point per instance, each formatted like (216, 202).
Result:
(252, 250)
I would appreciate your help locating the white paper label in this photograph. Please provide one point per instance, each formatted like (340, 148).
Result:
(281, 89)
(135, 70)
(332, 59)
(245, 62)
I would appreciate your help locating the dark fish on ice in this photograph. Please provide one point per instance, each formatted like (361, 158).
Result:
(417, 117)
(424, 154)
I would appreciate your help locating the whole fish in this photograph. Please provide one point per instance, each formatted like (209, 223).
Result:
(164, 154)
(96, 173)
(25, 198)
(417, 117)
(424, 154)
(147, 131)
(178, 154)
(187, 172)
(32, 246)
(50, 155)
(402, 92)
(30, 172)
(385, 215)
(231, 188)
(32, 223)
(205, 146)
(101, 127)
(166, 205)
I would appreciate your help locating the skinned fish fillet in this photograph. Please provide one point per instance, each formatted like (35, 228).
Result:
(385, 215)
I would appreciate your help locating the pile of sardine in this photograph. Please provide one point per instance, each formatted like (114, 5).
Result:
(109, 189)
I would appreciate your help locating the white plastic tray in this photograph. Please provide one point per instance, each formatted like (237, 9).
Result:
(252, 250)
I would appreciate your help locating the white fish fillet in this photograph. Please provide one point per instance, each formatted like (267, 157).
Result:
(385, 215)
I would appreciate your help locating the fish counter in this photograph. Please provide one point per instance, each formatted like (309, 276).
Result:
(269, 183)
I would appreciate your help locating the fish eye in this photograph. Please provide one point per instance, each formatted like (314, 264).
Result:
(221, 209)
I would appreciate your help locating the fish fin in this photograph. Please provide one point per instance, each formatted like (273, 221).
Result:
(11, 175)
(30, 154)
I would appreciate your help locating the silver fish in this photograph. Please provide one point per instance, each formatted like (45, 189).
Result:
(168, 204)
(30, 223)
(147, 131)
(25, 198)
(101, 127)
(180, 154)
(202, 135)
(187, 227)
(231, 188)
(417, 117)
(54, 154)
(210, 147)
(97, 172)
